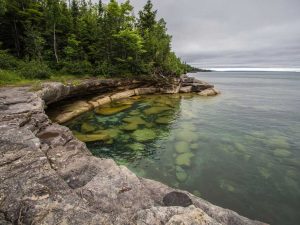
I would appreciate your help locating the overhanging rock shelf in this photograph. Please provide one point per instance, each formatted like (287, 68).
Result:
(106, 91)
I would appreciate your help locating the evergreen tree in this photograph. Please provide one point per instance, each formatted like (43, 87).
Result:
(80, 37)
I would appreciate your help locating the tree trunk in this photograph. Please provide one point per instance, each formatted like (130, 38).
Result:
(54, 43)
(17, 43)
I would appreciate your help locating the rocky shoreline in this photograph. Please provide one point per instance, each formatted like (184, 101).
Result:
(106, 91)
(47, 176)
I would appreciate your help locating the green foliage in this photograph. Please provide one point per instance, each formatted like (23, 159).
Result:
(80, 37)
(7, 61)
(2, 7)
(173, 65)
(8, 77)
(77, 67)
(34, 70)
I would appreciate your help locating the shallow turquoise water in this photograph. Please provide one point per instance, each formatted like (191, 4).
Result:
(239, 150)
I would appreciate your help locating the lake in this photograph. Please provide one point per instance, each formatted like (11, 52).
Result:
(239, 150)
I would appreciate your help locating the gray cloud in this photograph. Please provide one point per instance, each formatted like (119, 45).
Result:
(233, 33)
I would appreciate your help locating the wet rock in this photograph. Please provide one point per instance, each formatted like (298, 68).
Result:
(144, 135)
(195, 146)
(181, 147)
(136, 147)
(130, 127)
(184, 159)
(176, 198)
(186, 135)
(181, 174)
(107, 111)
(93, 137)
(156, 110)
(209, 92)
(87, 128)
(135, 119)
(163, 120)
(112, 133)
(225, 185)
(282, 153)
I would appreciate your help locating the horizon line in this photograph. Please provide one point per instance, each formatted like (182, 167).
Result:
(250, 69)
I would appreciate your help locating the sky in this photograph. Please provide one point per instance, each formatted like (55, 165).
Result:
(233, 33)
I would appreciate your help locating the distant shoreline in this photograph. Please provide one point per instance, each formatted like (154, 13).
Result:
(297, 70)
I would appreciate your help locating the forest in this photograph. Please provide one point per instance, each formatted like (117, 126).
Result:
(77, 37)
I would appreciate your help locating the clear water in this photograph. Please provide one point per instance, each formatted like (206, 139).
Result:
(239, 150)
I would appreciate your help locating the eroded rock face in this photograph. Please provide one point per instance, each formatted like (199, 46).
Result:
(47, 176)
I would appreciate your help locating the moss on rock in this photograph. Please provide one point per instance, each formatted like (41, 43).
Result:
(86, 128)
(144, 135)
(184, 159)
(92, 137)
(156, 110)
(107, 111)
(181, 147)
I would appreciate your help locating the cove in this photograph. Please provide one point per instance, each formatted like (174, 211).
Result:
(239, 150)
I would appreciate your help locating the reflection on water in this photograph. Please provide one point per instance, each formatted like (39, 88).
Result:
(240, 150)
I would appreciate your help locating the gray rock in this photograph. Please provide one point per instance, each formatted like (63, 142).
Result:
(47, 176)
(186, 89)
(209, 92)
(176, 198)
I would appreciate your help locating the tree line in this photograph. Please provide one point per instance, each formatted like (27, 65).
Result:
(80, 37)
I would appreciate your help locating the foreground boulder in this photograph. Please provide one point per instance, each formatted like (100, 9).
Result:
(47, 176)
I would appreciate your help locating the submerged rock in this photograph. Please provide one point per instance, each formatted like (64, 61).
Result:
(184, 159)
(156, 110)
(181, 147)
(92, 137)
(186, 135)
(264, 172)
(136, 147)
(225, 185)
(86, 128)
(282, 153)
(195, 146)
(163, 120)
(134, 119)
(181, 175)
(112, 133)
(132, 123)
(107, 111)
(144, 135)
(130, 127)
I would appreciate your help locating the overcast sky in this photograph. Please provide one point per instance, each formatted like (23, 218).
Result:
(233, 33)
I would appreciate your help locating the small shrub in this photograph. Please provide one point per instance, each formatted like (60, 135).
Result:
(7, 61)
(8, 77)
(35, 70)
(77, 68)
